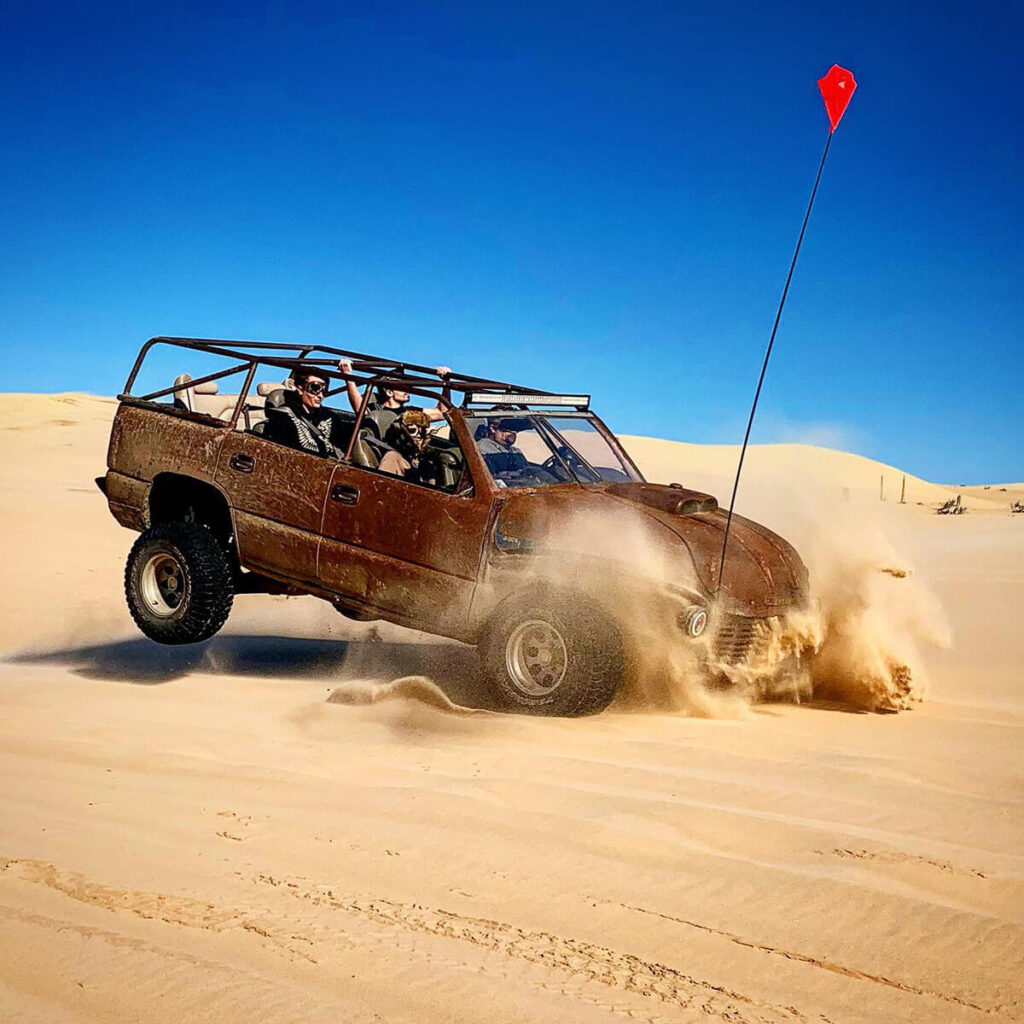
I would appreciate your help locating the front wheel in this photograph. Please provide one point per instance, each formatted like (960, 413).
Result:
(549, 654)
(178, 583)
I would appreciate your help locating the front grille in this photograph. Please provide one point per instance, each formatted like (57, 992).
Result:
(739, 639)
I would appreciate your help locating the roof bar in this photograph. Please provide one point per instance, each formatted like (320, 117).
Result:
(304, 355)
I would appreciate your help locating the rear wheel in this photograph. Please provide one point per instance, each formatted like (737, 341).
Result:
(550, 654)
(178, 582)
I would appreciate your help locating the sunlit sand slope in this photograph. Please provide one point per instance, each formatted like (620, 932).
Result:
(198, 835)
(818, 472)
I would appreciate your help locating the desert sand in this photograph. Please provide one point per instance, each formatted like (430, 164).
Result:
(200, 835)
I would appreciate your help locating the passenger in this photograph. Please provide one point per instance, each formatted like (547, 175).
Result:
(407, 436)
(389, 402)
(302, 422)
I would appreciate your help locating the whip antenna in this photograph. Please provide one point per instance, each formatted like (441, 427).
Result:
(836, 87)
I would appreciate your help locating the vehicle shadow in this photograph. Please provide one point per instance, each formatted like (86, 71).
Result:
(453, 667)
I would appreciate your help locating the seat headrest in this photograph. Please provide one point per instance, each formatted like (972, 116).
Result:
(267, 387)
(275, 398)
(209, 388)
(183, 396)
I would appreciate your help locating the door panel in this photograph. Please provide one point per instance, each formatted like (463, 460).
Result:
(278, 497)
(402, 547)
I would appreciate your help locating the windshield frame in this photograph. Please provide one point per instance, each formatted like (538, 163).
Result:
(553, 438)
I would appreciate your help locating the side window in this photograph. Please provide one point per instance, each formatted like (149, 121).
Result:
(263, 396)
(444, 464)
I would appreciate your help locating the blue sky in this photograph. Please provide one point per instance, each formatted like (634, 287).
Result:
(599, 197)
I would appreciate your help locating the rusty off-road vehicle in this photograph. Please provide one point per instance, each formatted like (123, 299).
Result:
(526, 549)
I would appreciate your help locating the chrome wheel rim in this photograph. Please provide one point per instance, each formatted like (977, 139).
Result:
(162, 585)
(536, 658)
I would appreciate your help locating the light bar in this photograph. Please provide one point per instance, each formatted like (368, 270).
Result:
(514, 398)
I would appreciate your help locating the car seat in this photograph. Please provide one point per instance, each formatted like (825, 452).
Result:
(447, 465)
(378, 421)
(375, 448)
(195, 398)
(363, 454)
(272, 395)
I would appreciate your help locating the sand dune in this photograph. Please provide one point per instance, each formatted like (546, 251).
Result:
(200, 835)
(806, 469)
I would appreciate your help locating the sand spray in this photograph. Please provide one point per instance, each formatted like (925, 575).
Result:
(864, 639)
(861, 642)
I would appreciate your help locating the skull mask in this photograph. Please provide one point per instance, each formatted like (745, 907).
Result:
(408, 435)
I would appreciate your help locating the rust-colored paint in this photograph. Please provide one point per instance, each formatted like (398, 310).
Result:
(403, 547)
(425, 558)
(764, 575)
(146, 440)
(128, 499)
(277, 495)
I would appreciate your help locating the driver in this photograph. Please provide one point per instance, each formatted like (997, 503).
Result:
(498, 447)
(302, 422)
(500, 438)
(407, 436)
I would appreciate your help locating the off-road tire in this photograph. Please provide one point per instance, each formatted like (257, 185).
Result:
(203, 583)
(567, 626)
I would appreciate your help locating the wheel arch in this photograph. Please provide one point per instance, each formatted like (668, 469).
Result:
(174, 497)
(536, 592)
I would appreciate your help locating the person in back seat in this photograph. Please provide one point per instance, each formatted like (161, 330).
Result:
(302, 422)
(407, 436)
(388, 403)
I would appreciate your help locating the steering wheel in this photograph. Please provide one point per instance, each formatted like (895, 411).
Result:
(556, 469)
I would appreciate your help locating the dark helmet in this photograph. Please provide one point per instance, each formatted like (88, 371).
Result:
(409, 433)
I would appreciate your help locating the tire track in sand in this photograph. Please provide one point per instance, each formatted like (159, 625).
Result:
(823, 964)
(581, 960)
(572, 964)
(153, 906)
(898, 857)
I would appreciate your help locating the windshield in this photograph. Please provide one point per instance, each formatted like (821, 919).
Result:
(532, 449)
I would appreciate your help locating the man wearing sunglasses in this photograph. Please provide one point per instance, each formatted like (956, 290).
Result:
(302, 422)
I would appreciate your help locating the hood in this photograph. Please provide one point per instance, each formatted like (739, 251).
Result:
(674, 498)
(763, 572)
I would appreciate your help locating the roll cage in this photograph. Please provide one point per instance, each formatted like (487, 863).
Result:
(479, 395)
